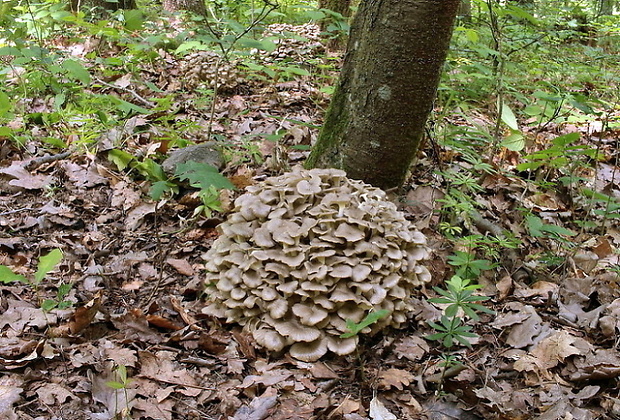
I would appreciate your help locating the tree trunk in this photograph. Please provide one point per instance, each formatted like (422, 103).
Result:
(386, 90)
(465, 10)
(104, 4)
(196, 6)
(606, 7)
(339, 6)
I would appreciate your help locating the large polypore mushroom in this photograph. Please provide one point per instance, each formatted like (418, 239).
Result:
(304, 252)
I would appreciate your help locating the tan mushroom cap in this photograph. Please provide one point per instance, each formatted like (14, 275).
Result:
(309, 352)
(269, 339)
(309, 314)
(294, 330)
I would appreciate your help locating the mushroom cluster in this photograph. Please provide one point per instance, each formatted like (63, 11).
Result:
(201, 68)
(296, 43)
(306, 251)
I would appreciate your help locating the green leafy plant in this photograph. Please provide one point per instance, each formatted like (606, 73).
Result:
(208, 180)
(45, 264)
(538, 228)
(451, 330)
(122, 381)
(467, 265)
(459, 296)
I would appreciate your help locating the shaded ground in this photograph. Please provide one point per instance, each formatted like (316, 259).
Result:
(549, 352)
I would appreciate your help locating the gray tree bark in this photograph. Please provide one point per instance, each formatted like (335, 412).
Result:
(386, 89)
(196, 6)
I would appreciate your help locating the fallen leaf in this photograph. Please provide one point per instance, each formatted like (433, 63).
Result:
(395, 378)
(555, 349)
(411, 348)
(258, 409)
(182, 266)
(379, 412)
(9, 395)
(24, 179)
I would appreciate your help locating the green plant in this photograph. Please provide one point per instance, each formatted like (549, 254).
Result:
(459, 295)
(369, 319)
(208, 180)
(121, 383)
(467, 265)
(460, 298)
(45, 264)
(450, 331)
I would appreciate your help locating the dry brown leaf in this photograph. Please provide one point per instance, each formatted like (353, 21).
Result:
(258, 409)
(24, 179)
(555, 349)
(54, 394)
(395, 378)
(133, 326)
(135, 216)
(321, 371)
(347, 406)
(603, 249)
(9, 395)
(21, 314)
(182, 266)
(162, 322)
(378, 411)
(411, 348)
(147, 271)
(80, 319)
(125, 196)
(83, 176)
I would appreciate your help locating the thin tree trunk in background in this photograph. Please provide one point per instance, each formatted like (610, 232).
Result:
(104, 4)
(606, 7)
(339, 6)
(196, 6)
(386, 89)
(465, 10)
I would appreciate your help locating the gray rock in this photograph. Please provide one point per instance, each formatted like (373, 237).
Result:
(209, 153)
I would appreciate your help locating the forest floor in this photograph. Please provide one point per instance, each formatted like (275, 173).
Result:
(134, 342)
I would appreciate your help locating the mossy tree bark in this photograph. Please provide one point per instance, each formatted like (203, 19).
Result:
(386, 89)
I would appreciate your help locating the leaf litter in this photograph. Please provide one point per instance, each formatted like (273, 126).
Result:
(550, 351)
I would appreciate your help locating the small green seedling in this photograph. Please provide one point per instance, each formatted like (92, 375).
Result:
(209, 180)
(123, 381)
(371, 318)
(46, 264)
(459, 297)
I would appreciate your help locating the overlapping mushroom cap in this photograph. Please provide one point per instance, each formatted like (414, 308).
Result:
(304, 252)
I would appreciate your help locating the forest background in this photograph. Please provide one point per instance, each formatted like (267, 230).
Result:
(516, 185)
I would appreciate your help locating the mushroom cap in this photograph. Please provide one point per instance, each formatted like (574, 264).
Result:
(294, 330)
(269, 339)
(309, 352)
